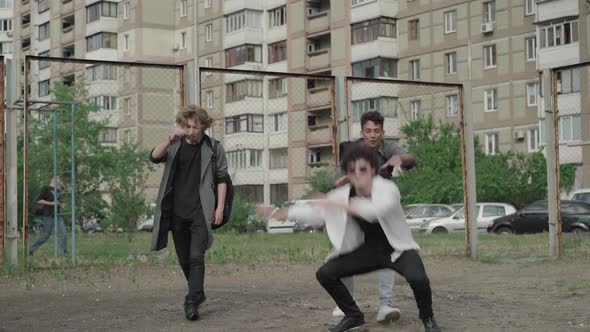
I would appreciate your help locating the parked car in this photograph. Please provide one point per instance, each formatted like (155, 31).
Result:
(533, 218)
(147, 223)
(457, 206)
(486, 213)
(581, 195)
(274, 226)
(91, 226)
(426, 212)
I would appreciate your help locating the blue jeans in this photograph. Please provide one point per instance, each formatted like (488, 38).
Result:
(386, 284)
(48, 224)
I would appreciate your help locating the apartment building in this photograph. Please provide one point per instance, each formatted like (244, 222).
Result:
(6, 28)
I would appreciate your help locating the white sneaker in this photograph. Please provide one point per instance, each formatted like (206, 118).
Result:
(388, 314)
(337, 312)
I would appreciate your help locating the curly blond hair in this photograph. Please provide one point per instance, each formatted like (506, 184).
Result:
(195, 113)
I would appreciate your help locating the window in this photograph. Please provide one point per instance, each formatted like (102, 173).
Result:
(277, 52)
(209, 32)
(558, 34)
(277, 88)
(492, 144)
(69, 51)
(209, 99)
(490, 100)
(489, 55)
(101, 72)
(414, 29)
(5, 4)
(245, 53)
(126, 10)
(126, 42)
(242, 20)
(250, 192)
(44, 31)
(107, 135)
(493, 211)
(314, 156)
(360, 2)
(452, 105)
(26, 43)
(253, 123)
(5, 48)
(533, 140)
(107, 103)
(387, 106)
(209, 61)
(42, 5)
(374, 68)
(532, 91)
(25, 20)
(489, 11)
(278, 158)
(101, 40)
(245, 158)
(101, 9)
(67, 23)
(530, 7)
(451, 60)
(415, 70)
(183, 9)
(44, 88)
(127, 105)
(568, 81)
(241, 89)
(277, 17)
(44, 63)
(415, 106)
(570, 128)
(6, 25)
(531, 48)
(371, 30)
(451, 21)
(183, 40)
(279, 193)
(208, 3)
(127, 136)
(279, 122)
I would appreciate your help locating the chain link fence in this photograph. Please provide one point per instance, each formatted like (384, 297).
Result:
(92, 123)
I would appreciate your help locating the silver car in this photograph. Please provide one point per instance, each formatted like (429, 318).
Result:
(417, 214)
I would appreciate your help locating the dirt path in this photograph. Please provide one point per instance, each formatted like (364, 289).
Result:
(467, 297)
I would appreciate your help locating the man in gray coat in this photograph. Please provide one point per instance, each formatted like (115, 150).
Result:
(186, 203)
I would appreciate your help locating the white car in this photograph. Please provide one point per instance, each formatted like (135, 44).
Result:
(581, 195)
(417, 214)
(486, 213)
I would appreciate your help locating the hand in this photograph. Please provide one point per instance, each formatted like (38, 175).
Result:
(218, 217)
(394, 161)
(177, 134)
(269, 212)
(342, 181)
(61, 204)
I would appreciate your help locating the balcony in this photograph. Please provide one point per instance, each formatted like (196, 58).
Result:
(382, 47)
(366, 11)
(241, 37)
(558, 56)
(232, 6)
(318, 59)
(319, 135)
(319, 96)
(549, 10)
(317, 22)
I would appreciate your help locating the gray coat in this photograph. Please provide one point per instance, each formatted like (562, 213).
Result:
(163, 213)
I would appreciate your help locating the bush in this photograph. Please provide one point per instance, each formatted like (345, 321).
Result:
(242, 219)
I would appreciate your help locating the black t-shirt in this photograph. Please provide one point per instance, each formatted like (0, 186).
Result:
(46, 194)
(187, 178)
(374, 235)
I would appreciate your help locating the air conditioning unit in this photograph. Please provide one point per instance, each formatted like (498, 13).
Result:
(310, 47)
(518, 135)
(487, 27)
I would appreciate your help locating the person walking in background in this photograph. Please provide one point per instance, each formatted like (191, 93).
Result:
(45, 208)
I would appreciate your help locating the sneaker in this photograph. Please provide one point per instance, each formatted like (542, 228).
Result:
(430, 325)
(337, 312)
(387, 314)
(348, 324)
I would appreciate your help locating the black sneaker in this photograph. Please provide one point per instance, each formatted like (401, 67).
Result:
(430, 325)
(348, 324)
(190, 310)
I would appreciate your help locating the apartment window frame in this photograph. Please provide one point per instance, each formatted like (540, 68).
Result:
(531, 48)
(245, 53)
(532, 94)
(106, 103)
(100, 40)
(450, 21)
(414, 29)
(452, 105)
(209, 99)
(126, 9)
(415, 109)
(533, 140)
(277, 17)
(6, 24)
(243, 19)
(376, 67)
(42, 6)
(370, 30)
(278, 158)
(277, 52)
(490, 56)
(277, 87)
(244, 123)
(183, 8)
(242, 89)
(489, 11)
(415, 70)
(568, 81)
(126, 42)
(559, 33)
(492, 144)
(42, 64)
(280, 122)
(385, 105)
(208, 32)
(100, 9)
(208, 3)
(44, 88)
(451, 63)
(127, 137)
(69, 51)
(490, 100)
(127, 106)
(530, 7)
(574, 126)
(6, 4)
(44, 31)
(183, 40)
(107, 135)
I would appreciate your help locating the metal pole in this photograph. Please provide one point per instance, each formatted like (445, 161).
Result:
(25, 160)
(2, 163)
(468, 160)
(557, 167)
(341, 112)
(55, 184)
(73, 184)
(334, 116)
(12, 165)
(552, 197)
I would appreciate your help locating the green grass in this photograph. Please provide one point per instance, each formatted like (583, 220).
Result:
(100, 253)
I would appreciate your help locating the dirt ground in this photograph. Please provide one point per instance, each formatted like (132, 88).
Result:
(467, 296)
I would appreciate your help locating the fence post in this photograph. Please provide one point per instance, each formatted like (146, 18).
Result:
(11, 165)
(468, 159)
(550, 132)
(341, 113)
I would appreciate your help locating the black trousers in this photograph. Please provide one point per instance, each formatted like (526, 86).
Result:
(190, 241)
(366, 259)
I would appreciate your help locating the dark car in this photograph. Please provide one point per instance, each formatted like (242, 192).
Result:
(575, 217)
